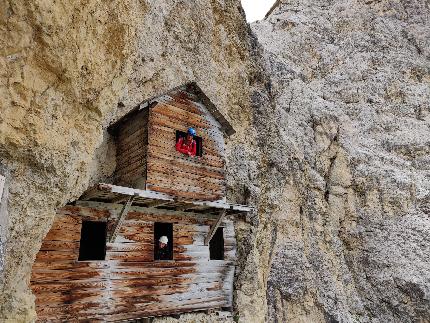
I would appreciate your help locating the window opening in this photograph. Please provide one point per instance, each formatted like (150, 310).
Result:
(163, 241)
(93, 241)
(199, 142)
(216, 245)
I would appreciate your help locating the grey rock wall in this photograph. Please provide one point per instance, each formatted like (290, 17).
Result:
(350, 85)
(330, 101)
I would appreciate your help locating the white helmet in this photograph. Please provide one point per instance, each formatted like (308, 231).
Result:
(163, 239)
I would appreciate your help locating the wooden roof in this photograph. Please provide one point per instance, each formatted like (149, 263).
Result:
(190, 87)
(114, 194)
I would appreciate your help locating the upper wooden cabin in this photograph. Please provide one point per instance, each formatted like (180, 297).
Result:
(146, 154)
(99, 262)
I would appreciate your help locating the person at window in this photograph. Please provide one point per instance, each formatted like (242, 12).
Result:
(163, 250)
(187, 145)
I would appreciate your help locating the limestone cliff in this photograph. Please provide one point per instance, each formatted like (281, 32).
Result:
(68, 68)
(349, 160)
(330, 103)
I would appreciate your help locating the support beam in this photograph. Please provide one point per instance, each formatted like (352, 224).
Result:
(116, 194)
(121, 218)
(142, 209)
(156, 203)
(214, 227)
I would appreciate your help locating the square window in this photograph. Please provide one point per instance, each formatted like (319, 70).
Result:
(93, 241)
(216, 245)
(199, 142)
(163, 241)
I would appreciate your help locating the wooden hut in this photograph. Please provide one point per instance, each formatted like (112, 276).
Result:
(99, 260)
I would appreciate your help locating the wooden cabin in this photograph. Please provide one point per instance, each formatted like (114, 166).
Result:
(146, 154)
(100, 259)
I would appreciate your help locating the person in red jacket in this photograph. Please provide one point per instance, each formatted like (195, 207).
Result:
(187, 145)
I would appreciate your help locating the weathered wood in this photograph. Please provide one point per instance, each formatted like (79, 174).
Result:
(148, 195)
(178, 166)
(156, 153)
(185, 185)
(214, 227)
(187, 163)
(120, 219)
(167, 113)
(129, 284)
(167, 133)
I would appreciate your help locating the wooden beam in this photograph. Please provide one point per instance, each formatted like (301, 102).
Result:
(120, 199)
(156, 203)
(148, 210)
(220, 204)
(133, 191)
(121, 218)
(214, 227)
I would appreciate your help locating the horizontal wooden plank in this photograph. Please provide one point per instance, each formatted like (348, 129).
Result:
(175, 185)
(184, 105)
(101, 264)
(130, 256)
(188, 195)
(169, 134)
(63, 235)
(133, 124)
(163, 165)
(137, 164)
(170, 149)
(160, 120)
(217, 279)
(53, 255)
(159, 152)
(178, 115)
(107, 274)
(130, 157)
(59, 245)
(185, 115)
(121, 311)
(155, 155)
(183, 182)
(138, 297)
(83, 213)
(136, 136)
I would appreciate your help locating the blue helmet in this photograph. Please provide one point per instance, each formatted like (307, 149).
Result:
(191, 131)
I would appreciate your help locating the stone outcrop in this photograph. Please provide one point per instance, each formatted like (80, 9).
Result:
(350, 89)
(330, 101)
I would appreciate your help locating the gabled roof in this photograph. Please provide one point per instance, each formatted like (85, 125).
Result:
(190, 87)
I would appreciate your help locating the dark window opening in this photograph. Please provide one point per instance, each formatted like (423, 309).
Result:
(93, 241)
(199, 142)
(216, 245)
(163, 251)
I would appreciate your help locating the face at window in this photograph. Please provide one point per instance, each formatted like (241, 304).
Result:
(162, 245)
(189, 137)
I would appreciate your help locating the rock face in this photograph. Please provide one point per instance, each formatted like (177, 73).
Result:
(350, 165)
(69, 68)
(330, 101)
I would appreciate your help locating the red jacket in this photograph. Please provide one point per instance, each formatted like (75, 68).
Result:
(189, 149)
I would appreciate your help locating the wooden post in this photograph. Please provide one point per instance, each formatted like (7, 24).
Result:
(121, 218)
(214, 227)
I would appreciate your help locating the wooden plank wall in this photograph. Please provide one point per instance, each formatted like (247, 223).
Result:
(171, 172)
(132, 145)
(129, 283)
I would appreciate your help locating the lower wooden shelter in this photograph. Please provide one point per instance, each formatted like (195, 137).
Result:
(99, 260)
